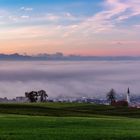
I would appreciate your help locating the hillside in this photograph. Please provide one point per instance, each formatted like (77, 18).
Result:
(67, 109)
(68, 121)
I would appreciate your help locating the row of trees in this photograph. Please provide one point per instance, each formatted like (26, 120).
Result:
(35, 96)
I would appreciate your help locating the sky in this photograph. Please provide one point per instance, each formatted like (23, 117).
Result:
(81, 27)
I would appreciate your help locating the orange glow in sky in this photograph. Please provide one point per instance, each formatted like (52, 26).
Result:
(88, 28)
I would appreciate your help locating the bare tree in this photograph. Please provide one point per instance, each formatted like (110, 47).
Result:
(32, 96)
(111, 96)
(43, 95)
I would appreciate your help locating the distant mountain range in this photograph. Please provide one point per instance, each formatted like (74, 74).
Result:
(61, 57)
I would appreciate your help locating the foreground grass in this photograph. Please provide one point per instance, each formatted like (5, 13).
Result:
(13, 127)
(66, 121)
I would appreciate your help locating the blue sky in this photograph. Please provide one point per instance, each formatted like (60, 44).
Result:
(36, 2)
(74, 6)
(93, 27)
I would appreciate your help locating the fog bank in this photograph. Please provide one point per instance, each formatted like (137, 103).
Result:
(72, 79)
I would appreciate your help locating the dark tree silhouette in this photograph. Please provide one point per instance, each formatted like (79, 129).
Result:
(32, 96)
(111, 96)
(35, 96)
(43, 95)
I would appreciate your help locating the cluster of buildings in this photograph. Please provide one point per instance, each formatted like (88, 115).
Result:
(14, 100)
(58, 99)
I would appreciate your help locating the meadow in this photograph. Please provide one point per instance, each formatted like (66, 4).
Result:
(66, 121)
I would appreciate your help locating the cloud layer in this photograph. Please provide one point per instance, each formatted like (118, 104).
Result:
(70, 79)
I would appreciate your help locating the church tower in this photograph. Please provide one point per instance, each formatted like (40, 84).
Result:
(128, 96)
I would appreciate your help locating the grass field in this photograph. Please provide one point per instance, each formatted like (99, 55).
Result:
(57, 121)
(68, 110)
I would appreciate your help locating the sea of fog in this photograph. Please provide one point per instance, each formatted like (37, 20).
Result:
(69, 79)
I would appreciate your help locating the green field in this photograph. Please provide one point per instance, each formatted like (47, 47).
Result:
(63, 121)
